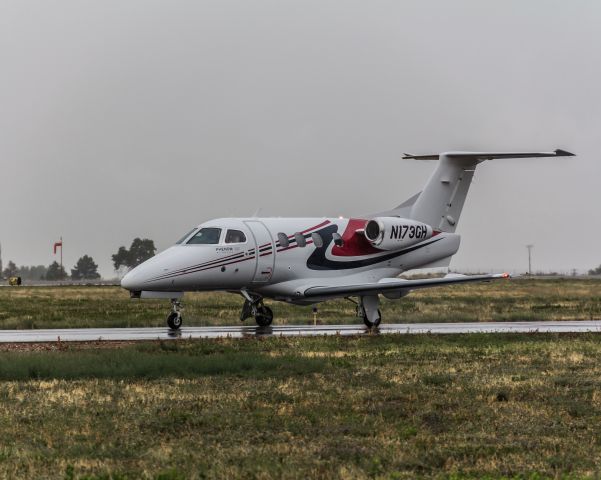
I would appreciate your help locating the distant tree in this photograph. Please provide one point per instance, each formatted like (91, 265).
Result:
(595, 271)
(24, 272)
(34, 272)
(121, 258)
(139, 251)
(11, 270)
(56, 272)
(38, 272)
(85, 269)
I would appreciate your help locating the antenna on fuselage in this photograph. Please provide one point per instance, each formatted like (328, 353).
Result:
(257, 212)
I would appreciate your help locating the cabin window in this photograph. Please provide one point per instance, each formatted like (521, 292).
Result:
(206, 236)
(338, 240)
(235, 236)
(181, 240)
(283, 239)
(300, 239)
(317, 240)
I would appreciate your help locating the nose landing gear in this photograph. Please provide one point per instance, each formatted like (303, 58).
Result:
(175, 319)
(254, 307)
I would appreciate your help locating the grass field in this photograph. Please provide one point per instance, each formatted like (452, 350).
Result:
(57, 307)
(477, 406)
(383, 407)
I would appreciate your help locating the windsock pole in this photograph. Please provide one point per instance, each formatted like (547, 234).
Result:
(56, 245)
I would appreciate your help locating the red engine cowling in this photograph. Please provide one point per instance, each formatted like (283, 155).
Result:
(392, 233)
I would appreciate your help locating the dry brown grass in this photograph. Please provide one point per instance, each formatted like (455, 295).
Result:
(375, 407)
(54, 307)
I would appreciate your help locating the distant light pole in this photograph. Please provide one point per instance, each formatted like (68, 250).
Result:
(529, 247)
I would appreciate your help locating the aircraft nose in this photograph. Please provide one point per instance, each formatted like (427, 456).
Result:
(148, 275)
(129, 281)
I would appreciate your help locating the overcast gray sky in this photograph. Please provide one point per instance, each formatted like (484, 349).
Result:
(142, 118)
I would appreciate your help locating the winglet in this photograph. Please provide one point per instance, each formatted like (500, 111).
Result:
(563, 153)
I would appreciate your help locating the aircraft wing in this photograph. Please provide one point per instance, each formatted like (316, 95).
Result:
(395, 284)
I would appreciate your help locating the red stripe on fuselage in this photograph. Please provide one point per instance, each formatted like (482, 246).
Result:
(230, 263)
(355, 244)
(200, 269)
(194, 267)
(309, 242)
(322, 224)
(325, 222)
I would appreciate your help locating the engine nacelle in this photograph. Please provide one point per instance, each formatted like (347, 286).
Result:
(392, 233)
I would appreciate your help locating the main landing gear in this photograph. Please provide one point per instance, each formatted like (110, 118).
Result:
(174, 319)
(254, 307)
(368, 311)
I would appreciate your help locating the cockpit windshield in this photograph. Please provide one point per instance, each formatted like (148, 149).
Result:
(181, 240)
(206, 236)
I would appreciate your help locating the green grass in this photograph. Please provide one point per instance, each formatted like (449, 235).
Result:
(61, 307)
(478, 406)
(129, 363)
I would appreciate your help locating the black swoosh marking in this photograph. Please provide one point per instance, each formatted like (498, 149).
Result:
(318, 260)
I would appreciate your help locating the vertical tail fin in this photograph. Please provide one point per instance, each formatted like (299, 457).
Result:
(441, 201)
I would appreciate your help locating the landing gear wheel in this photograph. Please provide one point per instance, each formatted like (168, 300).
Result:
(369, 324)
(174, 320)
(264, 316)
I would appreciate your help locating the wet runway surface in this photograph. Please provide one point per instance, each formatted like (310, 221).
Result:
(138, 334)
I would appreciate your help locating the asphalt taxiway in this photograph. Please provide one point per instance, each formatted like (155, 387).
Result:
(163, 333)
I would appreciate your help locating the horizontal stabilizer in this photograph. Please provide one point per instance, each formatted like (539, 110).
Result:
(489, 155)
(442, 199)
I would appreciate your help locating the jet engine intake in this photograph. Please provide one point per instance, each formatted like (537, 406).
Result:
(392, 233)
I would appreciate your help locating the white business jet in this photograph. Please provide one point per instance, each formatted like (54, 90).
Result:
(310, 260)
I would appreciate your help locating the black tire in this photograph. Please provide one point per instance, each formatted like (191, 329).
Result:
(246, 311)
(174, 320)
(369, 324)
(264, 316)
